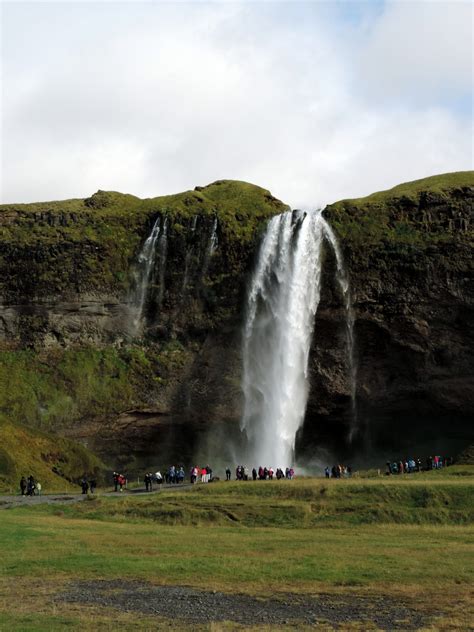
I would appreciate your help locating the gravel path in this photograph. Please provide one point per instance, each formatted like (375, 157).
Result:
(200, 606)
(8, 501)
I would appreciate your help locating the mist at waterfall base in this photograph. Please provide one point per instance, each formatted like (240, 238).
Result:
(282, 302)
(281, 306)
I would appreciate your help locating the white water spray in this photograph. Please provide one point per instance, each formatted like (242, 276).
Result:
(155, 246)
(146, 265)
(282, 303)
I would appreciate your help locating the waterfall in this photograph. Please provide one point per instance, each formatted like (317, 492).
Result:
(146, 266)
(343, 282)
(282, 302)
(211, 248)
(155, 245)
(189, 255)
(162, 248)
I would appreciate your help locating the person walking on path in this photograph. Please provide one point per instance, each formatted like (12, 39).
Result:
(23, 485)
(84, 485)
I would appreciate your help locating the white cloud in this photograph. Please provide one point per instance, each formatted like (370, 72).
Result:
(155, 98)
(419, 51)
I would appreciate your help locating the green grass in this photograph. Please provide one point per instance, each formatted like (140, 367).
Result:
(378, 547)
(57, 463)
(439, 184)
(396, 219)
(424, 499)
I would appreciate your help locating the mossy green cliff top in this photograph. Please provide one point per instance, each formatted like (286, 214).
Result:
(85, 245)
(415, 214)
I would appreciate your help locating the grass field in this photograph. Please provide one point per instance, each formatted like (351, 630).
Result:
(408, 539)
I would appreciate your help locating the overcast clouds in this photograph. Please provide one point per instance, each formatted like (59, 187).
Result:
(315, 101)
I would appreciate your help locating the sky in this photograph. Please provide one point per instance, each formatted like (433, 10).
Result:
(316, 101)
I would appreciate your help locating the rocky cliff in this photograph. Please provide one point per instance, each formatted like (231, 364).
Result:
(409, 253)
(73, 362)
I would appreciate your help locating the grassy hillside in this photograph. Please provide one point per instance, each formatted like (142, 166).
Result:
(421, 213)
(58, 464)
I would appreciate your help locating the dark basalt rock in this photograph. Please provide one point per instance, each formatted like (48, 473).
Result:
(66, 277)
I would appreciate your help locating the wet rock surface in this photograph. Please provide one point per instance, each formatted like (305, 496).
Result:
(201, 606)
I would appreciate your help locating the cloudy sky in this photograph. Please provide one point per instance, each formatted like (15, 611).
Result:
(315, 101)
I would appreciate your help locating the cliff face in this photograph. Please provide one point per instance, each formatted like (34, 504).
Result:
(409, 254)
(73, 362)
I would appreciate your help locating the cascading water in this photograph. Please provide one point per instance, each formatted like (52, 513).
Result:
(343, 281)
(155, 246)
(282, 303)
(146, 266)
(162, 248)
(211, 248)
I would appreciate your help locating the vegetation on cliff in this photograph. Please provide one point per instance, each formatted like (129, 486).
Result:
(414, 215)
(82, 245)
(57, 463)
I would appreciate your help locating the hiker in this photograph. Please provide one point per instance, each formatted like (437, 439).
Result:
(254, 474)
(147, 482)
(180, 475)
(30, 486)
(93, 485)
(172, 474)
(38, 488)
(84, 485)
(327, 471)
(121, 480)
(23, 485)
(116, 481)
(227, 473)
(159, 478)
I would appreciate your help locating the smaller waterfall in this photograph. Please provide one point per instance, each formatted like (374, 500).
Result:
(213, 240)
(162, 248)
(146, 265)
(153, 254)
(189, 255)
(343, 282)
(211, 248)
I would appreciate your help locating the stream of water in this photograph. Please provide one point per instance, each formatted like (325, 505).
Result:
(282, 302)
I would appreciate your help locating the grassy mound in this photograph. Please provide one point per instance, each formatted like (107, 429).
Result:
(56, 463)
(431, 499)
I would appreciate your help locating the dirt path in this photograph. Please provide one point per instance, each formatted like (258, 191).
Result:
(9, 501)
(201, 606)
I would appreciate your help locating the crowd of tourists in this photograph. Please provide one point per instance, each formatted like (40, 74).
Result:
(338, 471)
(177, 475)
(409, 466)
(242, 473)
(29, 486)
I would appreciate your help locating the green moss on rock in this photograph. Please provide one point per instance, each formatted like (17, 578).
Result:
(410, 216)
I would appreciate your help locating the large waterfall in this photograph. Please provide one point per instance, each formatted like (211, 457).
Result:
(282, 303)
